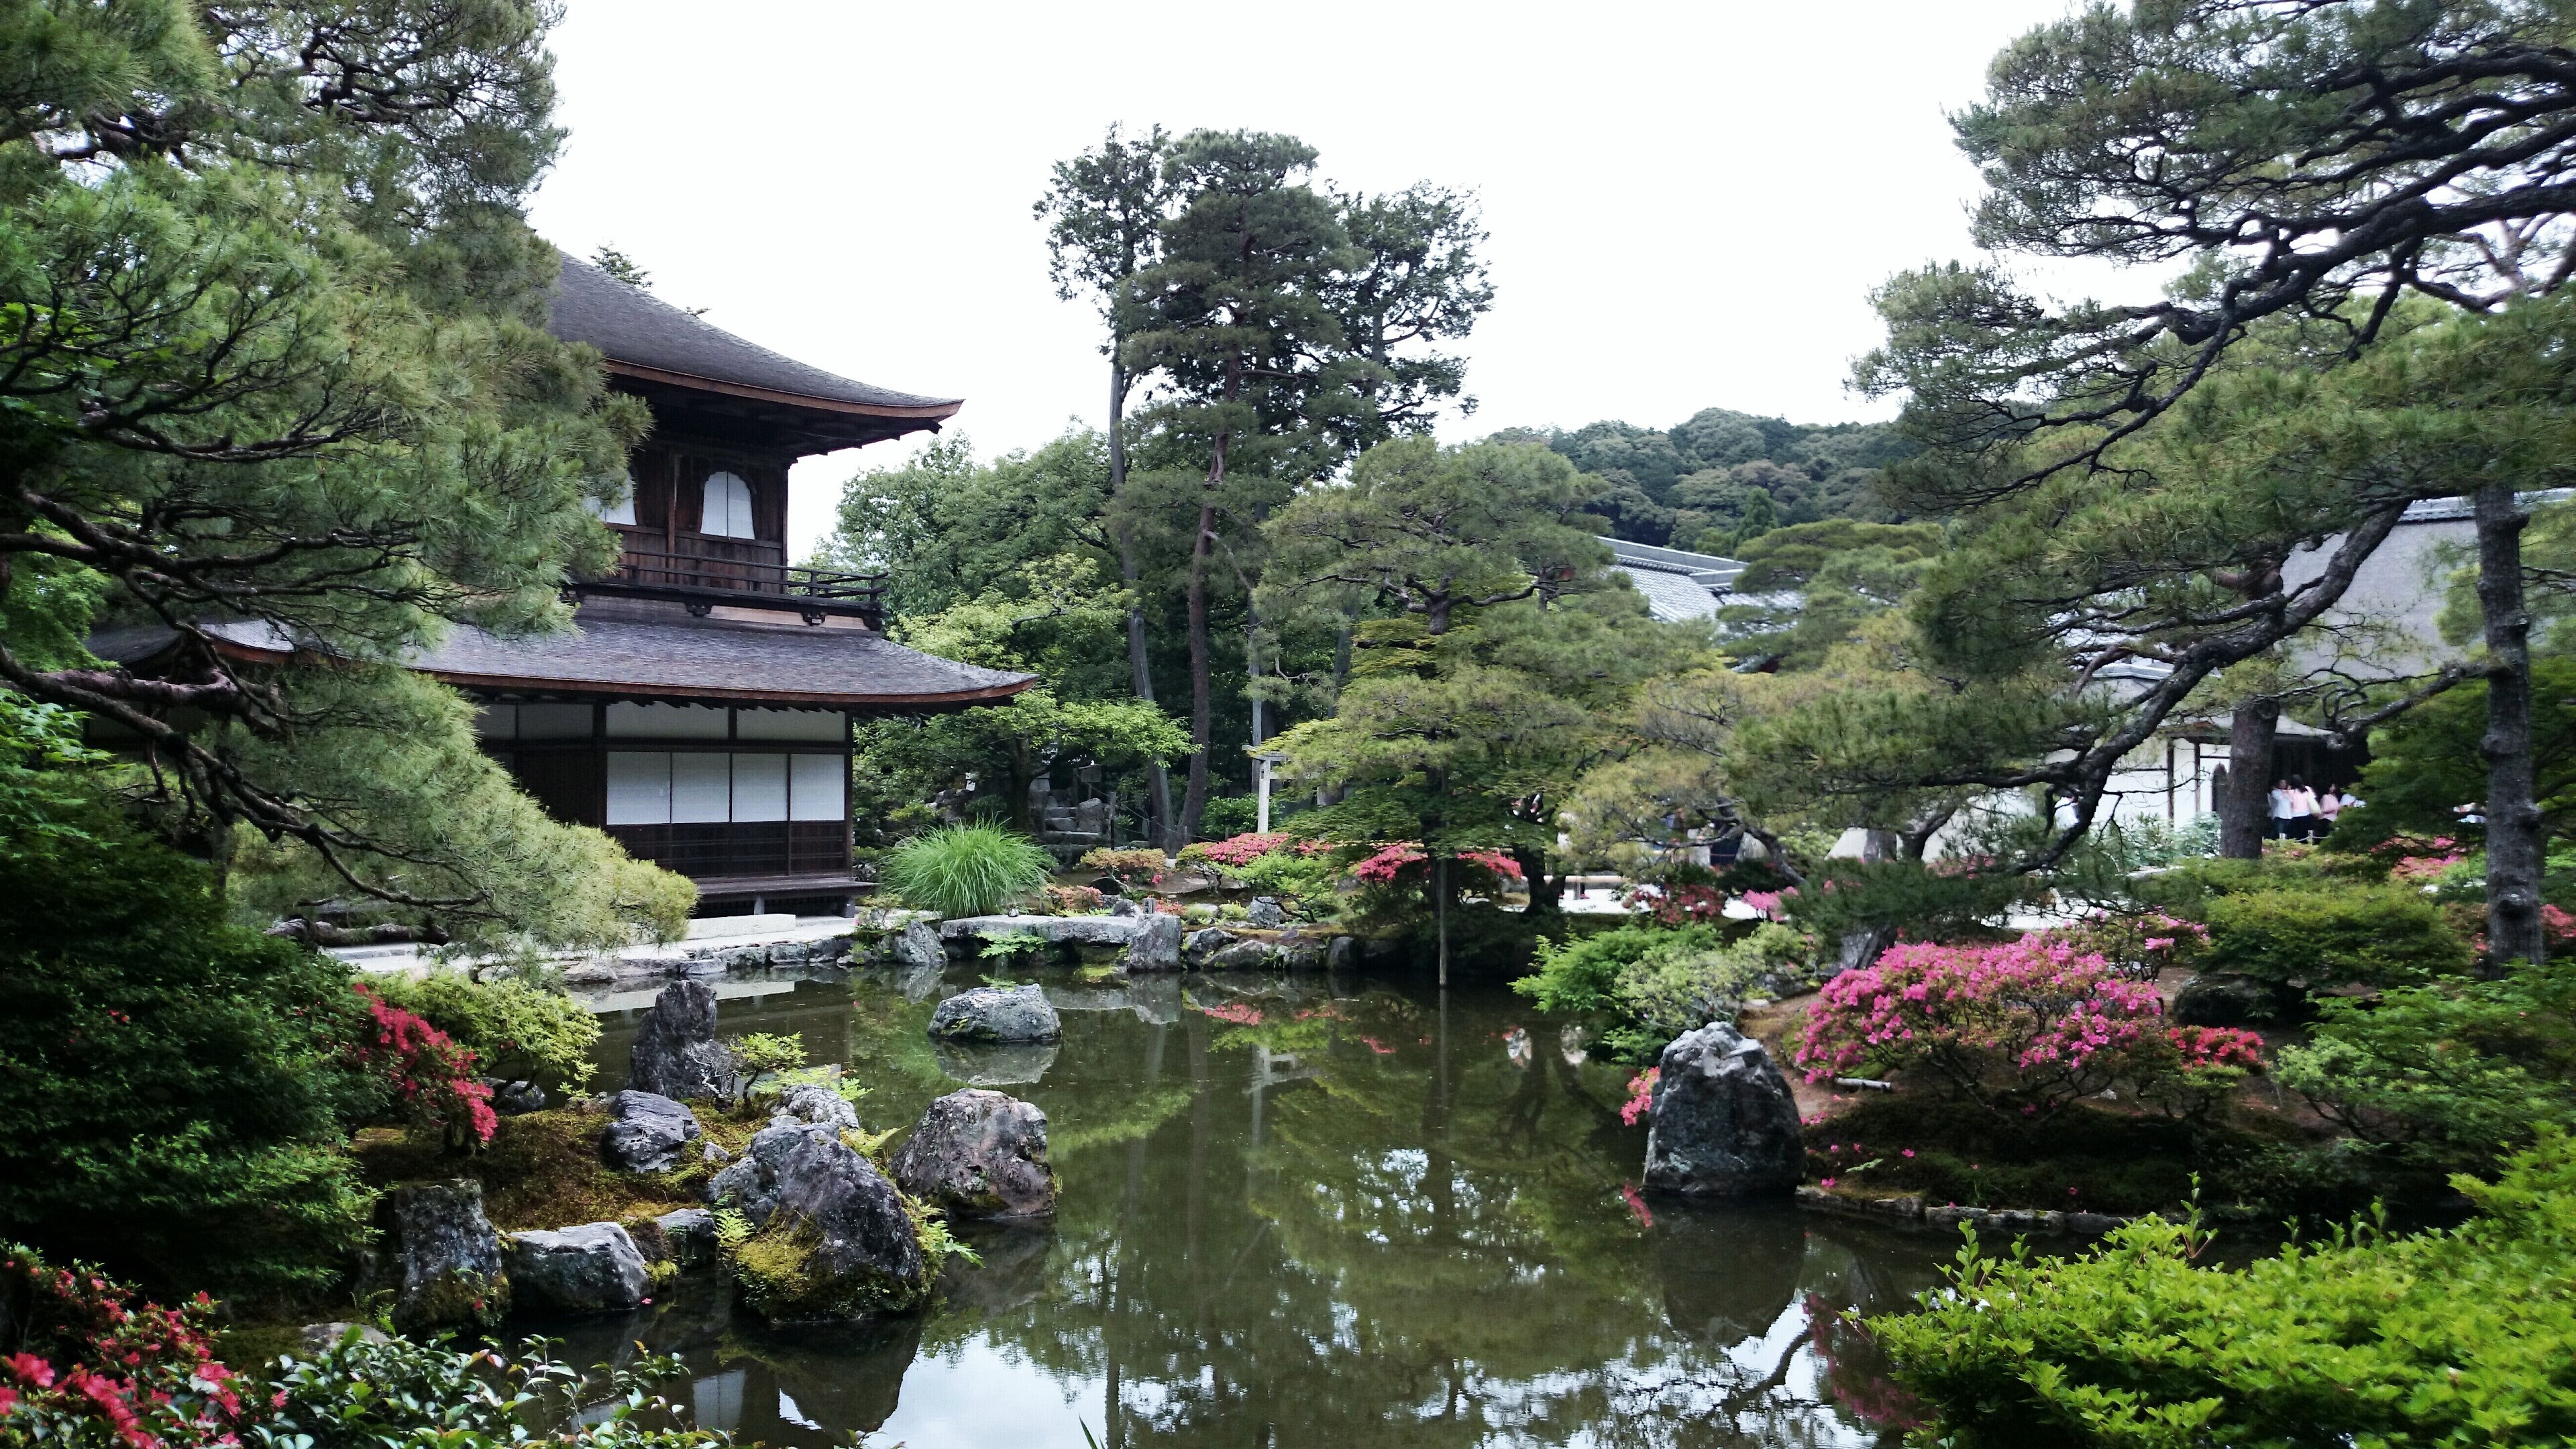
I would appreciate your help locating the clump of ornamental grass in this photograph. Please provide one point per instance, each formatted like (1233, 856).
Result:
(965, 870)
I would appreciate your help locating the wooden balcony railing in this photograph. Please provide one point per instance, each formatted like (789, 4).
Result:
(702, 582)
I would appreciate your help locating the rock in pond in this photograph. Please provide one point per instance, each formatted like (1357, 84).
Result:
(676, 1053)
(833, 1239)
(1204, 943)
(814, 1107)
(594, 1268)
(995, 1066)
(919, 947)
(1725, 1124)
(449, 1272)
(690, 1234)
(1157, 944)
(648, 1132)
(1017, 1015)
(979, 1154)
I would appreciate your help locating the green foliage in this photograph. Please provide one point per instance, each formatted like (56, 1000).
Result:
(1227, 816)
(289, 375)
(2425, 763)
(516, 1030)
(1006, 945)
(41, 788)
(1654, 982)
(763, 1053)
(358, 1394)
(2453, 1071)
(965, 870)
(1582, 974)
(2340, 935)
(176, 1089)
(1728, 472)
(2448, 1337)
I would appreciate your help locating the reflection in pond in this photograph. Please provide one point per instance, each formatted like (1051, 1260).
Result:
(1305, 1211)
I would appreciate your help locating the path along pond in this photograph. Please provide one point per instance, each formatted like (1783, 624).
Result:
(1298, 1211)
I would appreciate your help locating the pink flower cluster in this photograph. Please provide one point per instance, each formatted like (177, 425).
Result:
(1240, 850)
(112, 1370)
(2030, 1025)
(431, 1075)
(2216, 1046)
(1641, 1095)
(1382, 868)
(1768, 902)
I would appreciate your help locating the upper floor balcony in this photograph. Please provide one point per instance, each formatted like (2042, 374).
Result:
(704, 572)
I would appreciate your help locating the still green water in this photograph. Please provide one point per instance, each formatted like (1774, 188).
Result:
(1301, 1211)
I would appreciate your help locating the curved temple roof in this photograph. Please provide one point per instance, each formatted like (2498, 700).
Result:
(646, 651)
(649, 341)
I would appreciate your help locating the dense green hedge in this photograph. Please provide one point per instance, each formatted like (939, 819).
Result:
(172, 1097)
(2460, 1337)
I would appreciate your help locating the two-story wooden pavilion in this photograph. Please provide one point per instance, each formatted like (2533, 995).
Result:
(700, 709)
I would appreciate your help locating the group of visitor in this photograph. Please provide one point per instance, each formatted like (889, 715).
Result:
(2299, 813)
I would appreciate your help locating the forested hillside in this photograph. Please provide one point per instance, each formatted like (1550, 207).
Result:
(1722, 470)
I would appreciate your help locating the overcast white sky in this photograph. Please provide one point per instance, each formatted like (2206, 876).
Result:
(1688, 202)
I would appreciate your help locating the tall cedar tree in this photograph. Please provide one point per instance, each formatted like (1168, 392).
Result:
(1106, 210)
(2318, 163)
(1237, 318)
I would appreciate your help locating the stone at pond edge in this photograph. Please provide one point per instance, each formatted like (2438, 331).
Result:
(676, 1053)
(1201, 944)
(648, 1133)
(691, 1234)
(1339, 955)
(834, 1240)
(979, 1154)
(814, 1107)
(447, 1258)
(1020, 1014)
(1157, 944)
(1725, 1124)
(317, 1339)
(919, 947)
(593, 1268)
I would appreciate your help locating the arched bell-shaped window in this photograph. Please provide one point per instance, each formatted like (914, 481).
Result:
(621, 511)
(727, 513)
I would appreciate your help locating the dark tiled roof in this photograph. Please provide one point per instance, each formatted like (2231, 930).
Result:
(632, 326)
(648, 650)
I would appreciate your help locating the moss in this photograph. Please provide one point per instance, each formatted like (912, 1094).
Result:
(455, 1300)
(541, 1170)
(775, 1272)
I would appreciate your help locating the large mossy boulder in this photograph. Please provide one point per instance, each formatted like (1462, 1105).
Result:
(1725, 1122)
(833, 1238)
(647, 1132)
(979, 1154)
(676, 1053)
(594, 1268)
(1019, 1015)
(446, 1260)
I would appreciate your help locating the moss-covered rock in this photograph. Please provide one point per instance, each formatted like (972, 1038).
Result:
(832, 1239)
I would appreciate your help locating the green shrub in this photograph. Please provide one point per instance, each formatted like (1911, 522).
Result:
(2452, 1072)
(1583, 974)
(517, 1031)
(359, 1394)
(173, 1087)
(2456, 1337)
(965, 870)
(2371, 935)
(1229, 815)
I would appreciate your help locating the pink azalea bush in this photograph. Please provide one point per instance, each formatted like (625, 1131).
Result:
(1383, 867)
(1641, 1095)
(99, 1368)
(2024, 1027)
(432, 1078)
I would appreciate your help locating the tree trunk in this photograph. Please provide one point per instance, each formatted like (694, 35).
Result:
(1202, 703)
(1440, 911)
(1160, 800)
(2245, 815)
(1545, 894)
(2514, 930)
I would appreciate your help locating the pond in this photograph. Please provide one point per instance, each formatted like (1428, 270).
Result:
(1300, 1211)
